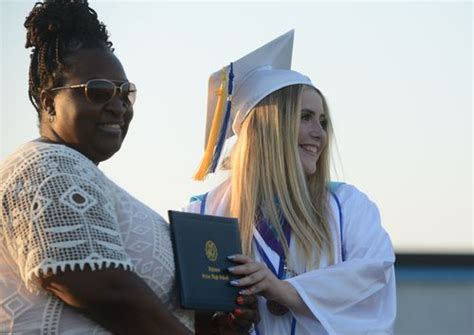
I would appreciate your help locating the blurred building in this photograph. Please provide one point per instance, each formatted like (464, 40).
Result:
(435, 294)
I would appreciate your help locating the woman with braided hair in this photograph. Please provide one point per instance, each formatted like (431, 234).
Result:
(78, 254)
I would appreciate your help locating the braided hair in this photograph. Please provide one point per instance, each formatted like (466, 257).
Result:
(55, 29)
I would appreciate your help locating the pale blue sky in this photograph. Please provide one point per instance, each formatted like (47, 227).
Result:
(398, 78)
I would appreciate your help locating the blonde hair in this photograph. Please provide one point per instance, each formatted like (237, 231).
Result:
(267, 175)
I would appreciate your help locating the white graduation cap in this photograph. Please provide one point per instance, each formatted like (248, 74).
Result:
(236, 89)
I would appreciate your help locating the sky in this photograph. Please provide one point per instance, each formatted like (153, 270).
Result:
(397, 76)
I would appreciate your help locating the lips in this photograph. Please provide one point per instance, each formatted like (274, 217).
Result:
(111, 127)
(309, 149)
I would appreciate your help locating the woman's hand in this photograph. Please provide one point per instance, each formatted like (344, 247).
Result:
(257, 278)
(246, 316)
(240, 321)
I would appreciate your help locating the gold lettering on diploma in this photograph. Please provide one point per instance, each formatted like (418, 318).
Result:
(214, 274)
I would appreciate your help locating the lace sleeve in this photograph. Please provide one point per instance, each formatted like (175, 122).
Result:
(58, 213)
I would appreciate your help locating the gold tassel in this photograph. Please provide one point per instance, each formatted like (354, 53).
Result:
(214, 132)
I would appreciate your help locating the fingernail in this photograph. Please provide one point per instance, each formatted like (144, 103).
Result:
(231, 257)
(231, 269)
(230, 317)
(237, 312)
(234, 282)
(240, 300)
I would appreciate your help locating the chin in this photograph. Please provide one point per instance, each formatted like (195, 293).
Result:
(309, 169)
(102, 154)
(309, 173)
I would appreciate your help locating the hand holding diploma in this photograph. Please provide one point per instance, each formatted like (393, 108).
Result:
(257, 278)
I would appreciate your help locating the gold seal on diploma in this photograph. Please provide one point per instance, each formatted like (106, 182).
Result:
(211, 251)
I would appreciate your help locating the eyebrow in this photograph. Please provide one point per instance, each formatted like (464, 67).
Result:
(307, 110)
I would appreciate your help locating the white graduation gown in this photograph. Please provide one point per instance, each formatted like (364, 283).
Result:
(354, 296)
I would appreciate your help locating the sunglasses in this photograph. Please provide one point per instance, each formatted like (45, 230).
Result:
(103, 90)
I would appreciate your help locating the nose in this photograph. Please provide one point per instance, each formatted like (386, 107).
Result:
(117, 106)
(317, 130)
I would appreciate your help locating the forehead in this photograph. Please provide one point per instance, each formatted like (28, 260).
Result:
(310, 99)
(93, 63)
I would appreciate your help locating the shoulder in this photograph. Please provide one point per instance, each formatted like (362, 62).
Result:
(360, 216)
(198, 198)
(195, 203)
(355, 208)
(214, 192)
(215, 200)
(42, 157)
(348, 194)
(37, 165)
(36, 150)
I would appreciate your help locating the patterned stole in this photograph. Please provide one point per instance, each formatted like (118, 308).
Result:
(270, 237)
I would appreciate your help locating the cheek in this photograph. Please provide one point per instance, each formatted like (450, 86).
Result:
(129, 115)
(302, 132)
(324, 138)
(77, 118)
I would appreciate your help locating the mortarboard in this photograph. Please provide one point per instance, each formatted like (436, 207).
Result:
(235, 90)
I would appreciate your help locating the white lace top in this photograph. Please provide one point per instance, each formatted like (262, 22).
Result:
(58, 210)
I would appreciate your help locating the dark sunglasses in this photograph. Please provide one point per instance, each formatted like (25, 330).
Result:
(103, 90)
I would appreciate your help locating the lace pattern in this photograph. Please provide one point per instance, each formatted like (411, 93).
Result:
(51, 316)
(58, 210)
(58, 214)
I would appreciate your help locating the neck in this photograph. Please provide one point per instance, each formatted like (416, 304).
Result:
(50, 136)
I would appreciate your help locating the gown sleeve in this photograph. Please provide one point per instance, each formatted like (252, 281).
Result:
(357, 295)
(58, 213)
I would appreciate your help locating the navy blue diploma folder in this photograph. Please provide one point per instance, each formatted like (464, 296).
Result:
(201, 244)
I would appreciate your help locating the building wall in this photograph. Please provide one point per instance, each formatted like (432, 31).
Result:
(435, 300)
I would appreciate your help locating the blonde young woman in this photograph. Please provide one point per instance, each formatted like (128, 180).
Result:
(315, 251)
